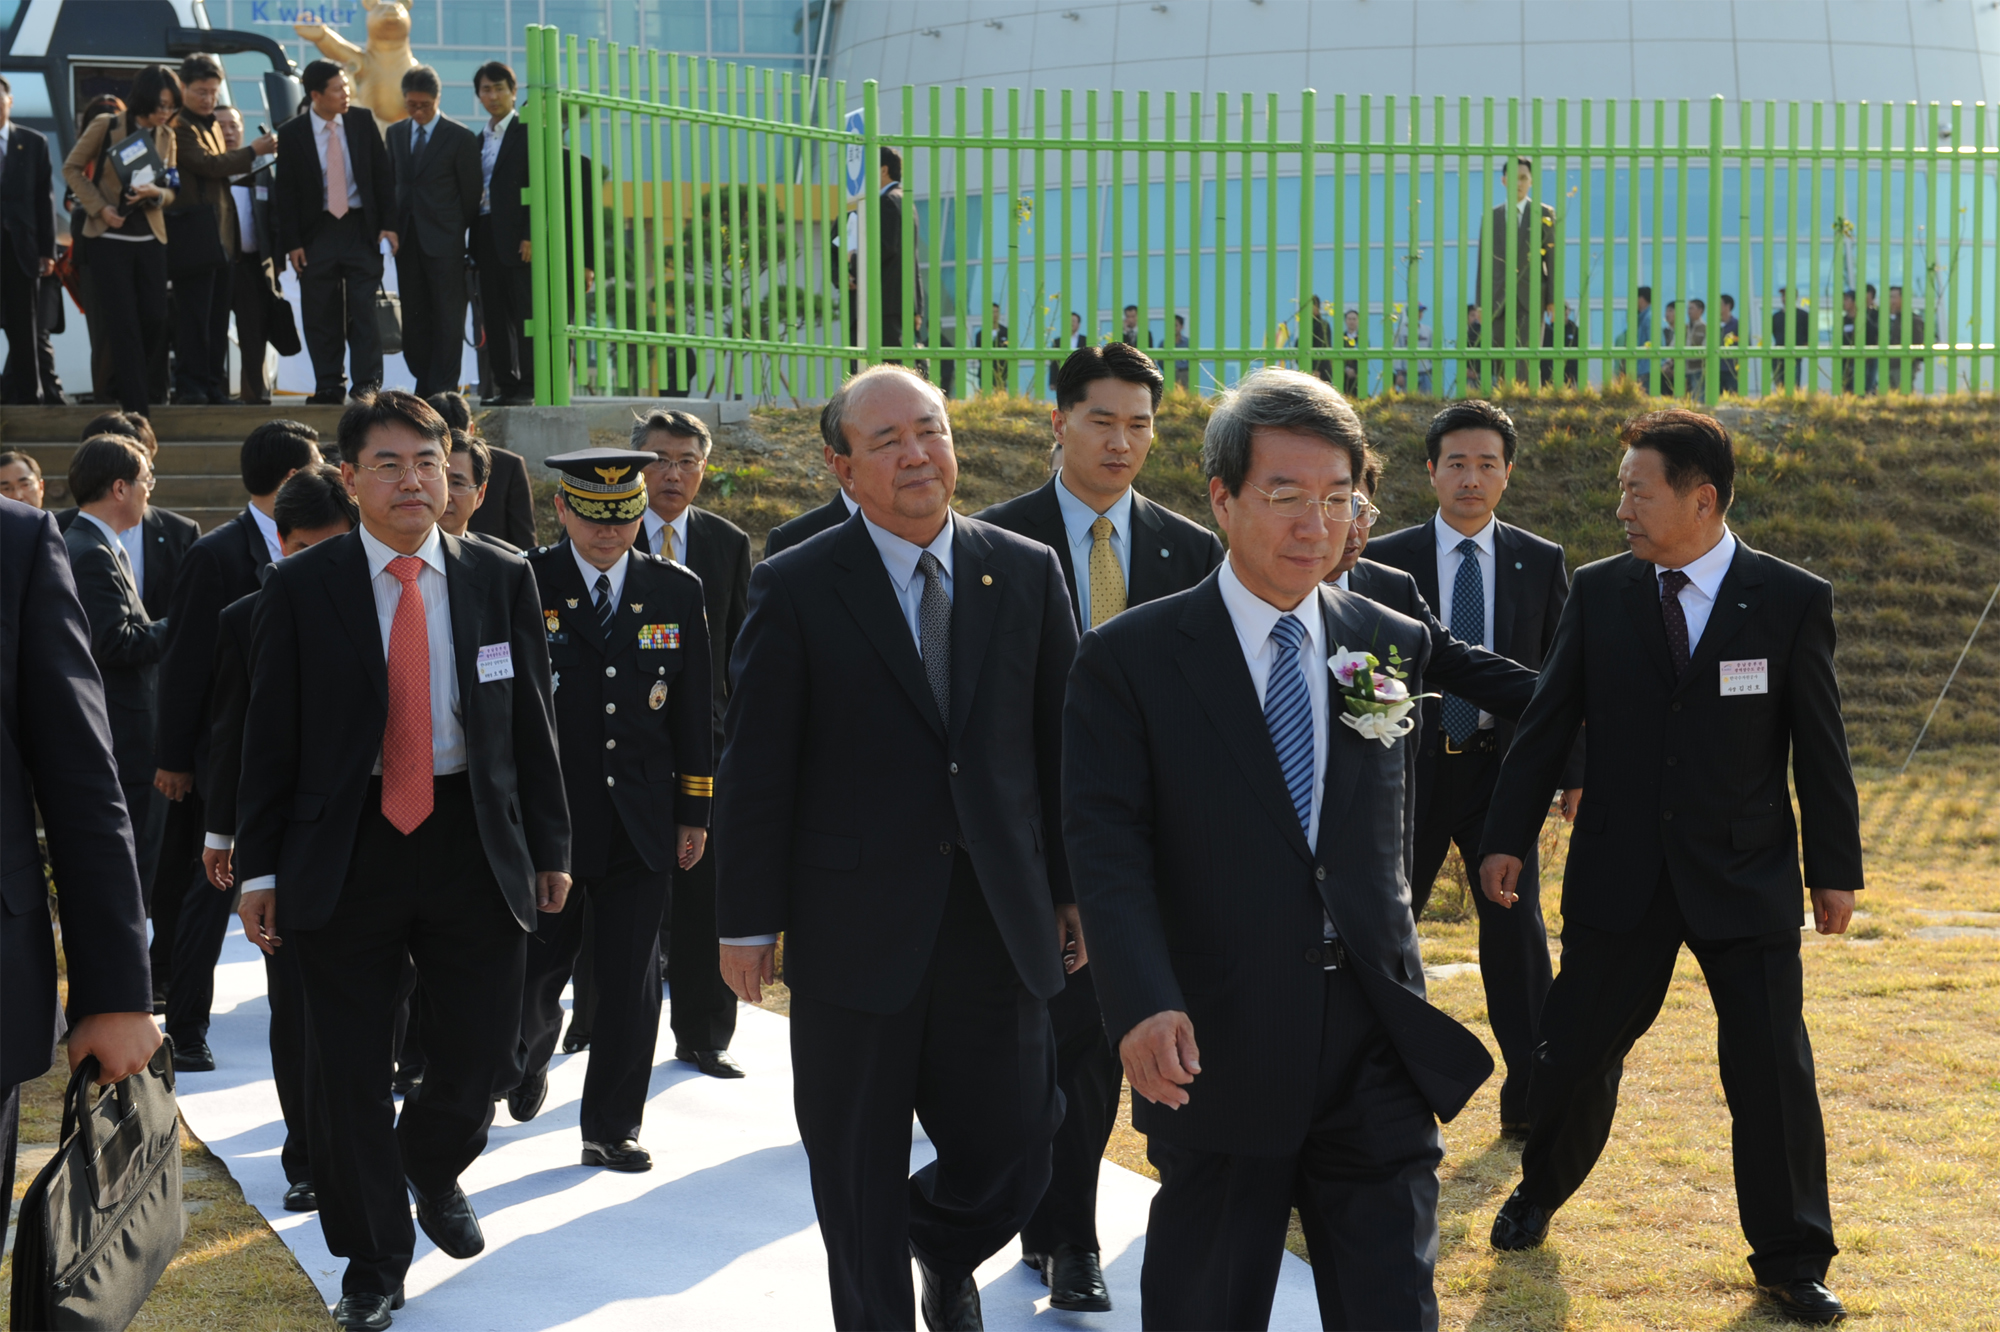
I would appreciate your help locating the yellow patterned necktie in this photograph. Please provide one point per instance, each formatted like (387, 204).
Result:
(1107, 582)
(668, 544)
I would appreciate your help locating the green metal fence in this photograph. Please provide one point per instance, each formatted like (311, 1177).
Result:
(706, 240)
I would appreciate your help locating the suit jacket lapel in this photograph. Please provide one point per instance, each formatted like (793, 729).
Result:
(1736, 603)
(1506, 587)
(254, 544)
(1213, 662)
(974, 603)
(1342, 766)
(1147, 544)
(463, 585)
(864, 587)
(1642, 604)
(1046, 511)
(347, 584)
(119, 559)
(1426, 572)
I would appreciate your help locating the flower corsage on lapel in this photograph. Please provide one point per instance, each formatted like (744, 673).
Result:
(1376, 697)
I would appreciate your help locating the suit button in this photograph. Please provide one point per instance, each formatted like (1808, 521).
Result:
(954, 770)
(1668, 815)
(1312, 956)
(611, 781)
(1673, 763)
(1319, 872)
(944, 848)
(610, 671)
(610, 708)
(611, 744)
(1676, 708)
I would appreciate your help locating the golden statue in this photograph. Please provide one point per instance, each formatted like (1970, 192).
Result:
(377, 72)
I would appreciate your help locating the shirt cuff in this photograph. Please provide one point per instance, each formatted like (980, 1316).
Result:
(218, 842)
(750, 941)
(263, 883)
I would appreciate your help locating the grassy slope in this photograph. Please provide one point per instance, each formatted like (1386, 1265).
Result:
(1892, 499)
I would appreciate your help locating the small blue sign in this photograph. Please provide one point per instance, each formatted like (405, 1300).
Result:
(857, 180)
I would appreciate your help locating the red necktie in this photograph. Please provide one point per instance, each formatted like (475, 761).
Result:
(406, 740)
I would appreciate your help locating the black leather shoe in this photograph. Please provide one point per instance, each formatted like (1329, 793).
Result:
(1075, 1279)
(366, 1309)
(1806, 1301)
(1521, 1224)
(950, 1304)
(196, 1058)
(576, 1040)
(525, 1101)
(1515, 1131)
(715, 1063)
(450, 1222)
(626, 1154)
(301, 1197)
(334, 399)
(1033, 1262)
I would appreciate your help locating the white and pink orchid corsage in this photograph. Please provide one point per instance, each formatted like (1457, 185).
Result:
(1376, 696)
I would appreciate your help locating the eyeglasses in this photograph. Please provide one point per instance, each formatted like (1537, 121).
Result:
(393, 473)
(459, 487)
(147, 482)
(685, 466)
(1291, 503)
(1368, 517)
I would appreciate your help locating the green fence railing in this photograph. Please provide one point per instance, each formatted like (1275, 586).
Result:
(715, 225)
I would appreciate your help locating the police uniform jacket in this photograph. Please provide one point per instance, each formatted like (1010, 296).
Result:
(633, 708)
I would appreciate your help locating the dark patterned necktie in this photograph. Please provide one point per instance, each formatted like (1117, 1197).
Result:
(934, 633)
(1671, 583)
(1288, 711)
(606, 610)
(1468, 625)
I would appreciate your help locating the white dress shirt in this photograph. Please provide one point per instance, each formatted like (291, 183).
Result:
(269, 527)
(447, 724)
(1077, 518)
(489, 153)
(1254, 618)
(591, 573)
(680, 525)
(246, 219)
(322, 129)
(1704, 585)
(899, 556)
(1341, 582)
(1449, 559)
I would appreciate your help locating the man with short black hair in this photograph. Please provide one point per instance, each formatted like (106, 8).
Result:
(468, 470)
(1801, 335)
(27, 248)
(1698, 671)
(812, 522)
(436, 164)
(21, 478)
(1502, 588)
(423, 820)
(500, 240)
(1507, 279)
(993, 335)
(311, 506)
(161, 541)
(110, 479)
(219, 569)
(1117, 549)
(336, 204)
(1916, 336)
(889, 262)
(718, 551)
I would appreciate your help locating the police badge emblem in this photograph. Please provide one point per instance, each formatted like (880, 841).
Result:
(657, 699)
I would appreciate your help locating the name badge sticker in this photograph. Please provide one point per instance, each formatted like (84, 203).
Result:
(496, 662)
(1752, 676)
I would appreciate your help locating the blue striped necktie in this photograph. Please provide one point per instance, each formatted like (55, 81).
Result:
(1468, 625)
(1288, 712)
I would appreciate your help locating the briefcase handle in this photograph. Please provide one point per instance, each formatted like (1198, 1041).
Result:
(116, 1158)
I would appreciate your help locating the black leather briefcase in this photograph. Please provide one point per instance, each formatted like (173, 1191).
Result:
(389, 321)
(104, 1217)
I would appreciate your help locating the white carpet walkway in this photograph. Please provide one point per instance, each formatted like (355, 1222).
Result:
(720, 1234)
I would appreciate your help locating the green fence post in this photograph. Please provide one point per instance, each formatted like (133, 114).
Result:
(1980, 353)
(1953, 322)
(537, 113)
(1712, 370)
(870, 275)
(1308, 179)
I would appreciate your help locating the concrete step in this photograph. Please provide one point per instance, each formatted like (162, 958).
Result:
(19, 425)
(181, 493)
(177, 458)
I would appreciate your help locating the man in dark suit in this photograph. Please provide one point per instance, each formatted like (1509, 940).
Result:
(508, 510)
(1518, 245)
(913, 652)
(110, 478)
(1695, 666)
(163, 538)
(1799, 323)
(219, 569)
(718, 551)
(500, 240)
(812, 522)
(56, 752)
(435, 162)
(635, 716)
(336, 202)
(889, 262)
(401, 649)
(469, 473)
(1117, 549)
(312, 506)
(1503, 588)
(28, 221)
(1239, 856)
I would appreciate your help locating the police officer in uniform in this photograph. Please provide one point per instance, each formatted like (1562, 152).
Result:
(628, 645)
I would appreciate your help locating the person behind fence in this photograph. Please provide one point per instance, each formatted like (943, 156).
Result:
(888, 798)
(204, 233)
(1289, 954)
(27, 248)
(1533, 249)
(1793, 331)
(1696, 367)
(1474, 337)
(1182, 369)
(1896, 339)
(436, 165)
(335, 204)
(500, 241)
(1350, 338)
(126, 232)
(1322, 336)
(1118, 549)
(1729, 334)
(889, 261)
(1697, 671)
(1639, 334)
